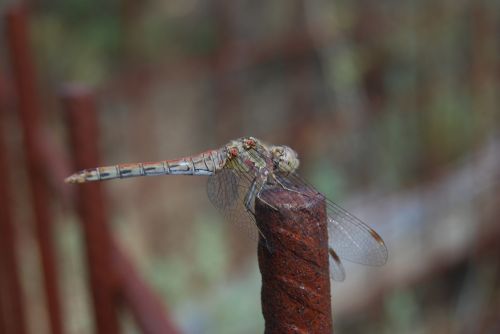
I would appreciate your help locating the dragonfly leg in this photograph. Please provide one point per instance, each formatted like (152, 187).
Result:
(250, 195)
(266, 202)
(285, 187)
(258, 191)
(248, 203)
(254, 191)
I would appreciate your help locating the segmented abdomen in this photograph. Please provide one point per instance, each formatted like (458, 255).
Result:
(206, 163)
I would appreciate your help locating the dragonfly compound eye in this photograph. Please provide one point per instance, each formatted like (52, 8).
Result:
(285, 159)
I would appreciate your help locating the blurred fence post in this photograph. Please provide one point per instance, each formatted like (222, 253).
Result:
(83, 130)
(29, 112)
(295, 266)
(12, 314)
(111, 274)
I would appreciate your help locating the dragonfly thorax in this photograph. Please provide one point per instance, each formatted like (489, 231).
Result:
(285, 159)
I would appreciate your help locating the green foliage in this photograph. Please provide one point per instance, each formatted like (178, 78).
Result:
(77, 40)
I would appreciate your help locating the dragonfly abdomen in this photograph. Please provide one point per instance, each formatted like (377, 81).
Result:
(206, 163)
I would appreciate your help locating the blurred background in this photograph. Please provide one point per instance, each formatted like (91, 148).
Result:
(393, 107)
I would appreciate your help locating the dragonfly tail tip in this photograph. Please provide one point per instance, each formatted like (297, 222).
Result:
(75, 178)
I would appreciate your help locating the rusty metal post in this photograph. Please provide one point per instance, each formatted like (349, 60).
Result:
(295, 278)
(148, 311)
(29, 111)
(83, 130)
(11, 301)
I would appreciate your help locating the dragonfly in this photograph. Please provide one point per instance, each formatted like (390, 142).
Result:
(238, 172)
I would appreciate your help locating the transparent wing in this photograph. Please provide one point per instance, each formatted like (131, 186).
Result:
(226, 190)
(352, 239)
(349, 237)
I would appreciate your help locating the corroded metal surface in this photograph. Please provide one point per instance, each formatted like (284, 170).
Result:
(294, 261)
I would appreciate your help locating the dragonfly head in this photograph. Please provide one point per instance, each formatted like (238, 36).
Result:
(285, 159)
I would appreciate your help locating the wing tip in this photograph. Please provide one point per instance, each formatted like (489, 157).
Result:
(384, 253)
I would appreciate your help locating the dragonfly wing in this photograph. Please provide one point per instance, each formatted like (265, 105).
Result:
(226, 190)
(349, 237)
(352, 239)
(223, 189)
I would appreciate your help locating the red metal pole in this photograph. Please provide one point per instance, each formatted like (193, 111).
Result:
(148, 311)
(11, 303)
(295, 278)
(82, 123)
(29, 111)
